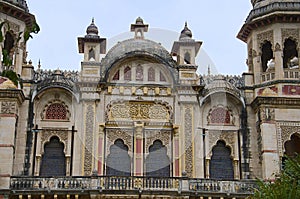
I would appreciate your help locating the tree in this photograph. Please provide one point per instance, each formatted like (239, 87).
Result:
(285, 186)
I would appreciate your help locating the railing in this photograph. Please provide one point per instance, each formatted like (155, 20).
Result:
(111, 184)
(288, 73)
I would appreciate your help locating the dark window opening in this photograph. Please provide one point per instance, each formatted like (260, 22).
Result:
(157, 162)
(292, 147)
(91, 54)
(117, 75)
(267, 54)
(289, 53)
(53, 161)
(118, 161)
(8, 46)
(221, 166)
(187, 58)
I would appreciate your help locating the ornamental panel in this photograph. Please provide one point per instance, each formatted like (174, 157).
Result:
(138, 110)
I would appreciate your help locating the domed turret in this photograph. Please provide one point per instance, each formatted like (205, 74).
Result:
(139, 21)
(186, 32)
(92, 29)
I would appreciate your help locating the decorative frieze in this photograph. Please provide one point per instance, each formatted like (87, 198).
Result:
(265, 36)
(188, 141)
(88, 145)
(62, 134)
(289, 33)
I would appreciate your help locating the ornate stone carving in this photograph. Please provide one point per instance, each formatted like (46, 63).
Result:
(265, 36)
(228, 137)
(290, 33)
(267, 114)
(220, 115)
(46, 135)
(56, 101)
(8, 107)
(139, 110)
(188, 141)
(285, 132)
(14, 27)
(114, 134)
(162, 135)
(277, 47)
(88, 147)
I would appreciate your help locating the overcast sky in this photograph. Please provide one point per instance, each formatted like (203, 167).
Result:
(216, 23)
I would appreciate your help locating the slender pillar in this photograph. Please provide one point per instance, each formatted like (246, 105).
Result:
(38, 165)
(176, 169)
(101, 149)
(138, 140)
(207, 168)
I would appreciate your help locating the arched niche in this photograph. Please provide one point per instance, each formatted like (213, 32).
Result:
(118, 161)
(157, 161)
(289, 52)
(266, 55)
(221, 162)
(53, 159)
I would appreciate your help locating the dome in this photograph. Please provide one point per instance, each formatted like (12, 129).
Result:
(92, 29)
(6, 83)
(186, 32)
(139, 21)
(136, 47)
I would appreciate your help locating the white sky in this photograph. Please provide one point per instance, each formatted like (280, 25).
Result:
(216, 23)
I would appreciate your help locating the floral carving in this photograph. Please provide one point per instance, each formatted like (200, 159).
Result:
(114, 134)
(286, 130)
(89, 129)
(135, 110)
(164, 136)
(62, 134)
(290, 33)
(188, 142)
(265, 36)
(229, 138)
(9, 107)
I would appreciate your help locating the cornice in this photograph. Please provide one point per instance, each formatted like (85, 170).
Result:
(13, 94)
(275, 101)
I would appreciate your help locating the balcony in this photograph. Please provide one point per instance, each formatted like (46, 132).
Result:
(288, 74)
(111, 185)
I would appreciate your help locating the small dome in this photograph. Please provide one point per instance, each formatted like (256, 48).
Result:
(92, 29)
(6, 83)
(186, 32)
(139, 21)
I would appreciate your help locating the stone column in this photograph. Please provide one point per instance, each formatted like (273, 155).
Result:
(68, 160)
(176, 155)
(207, 168)
(236, 169)
(138, 148)
(101, 149)
(38, 165)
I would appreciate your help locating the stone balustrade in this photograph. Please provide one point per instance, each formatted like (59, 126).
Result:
(135, 184)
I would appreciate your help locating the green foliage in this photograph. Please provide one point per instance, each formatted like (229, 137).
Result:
(286, 186)
(33, 29)
(11, 75)
(6, 60)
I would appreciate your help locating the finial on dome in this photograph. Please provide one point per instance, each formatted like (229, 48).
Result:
(186, 33)
(92, 29)
(139, 21)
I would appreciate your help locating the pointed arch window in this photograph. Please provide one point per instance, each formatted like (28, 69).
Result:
(8, 45)
(53, 160)
(290, 52)
(157, 162)
(92, 54)
(139, 76)
(117, 75)
(267, 55)
(292, 147)
(151, 74)
(221, 165)
(127, 73)
(162, 78)
(118, 161)
(187, 58)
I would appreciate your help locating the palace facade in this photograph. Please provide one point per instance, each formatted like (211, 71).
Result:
(138, 121)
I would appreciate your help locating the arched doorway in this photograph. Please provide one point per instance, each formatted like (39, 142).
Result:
(118, 161)
(53, 161)
(221, 166)
(292, 147)
(157, 162)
